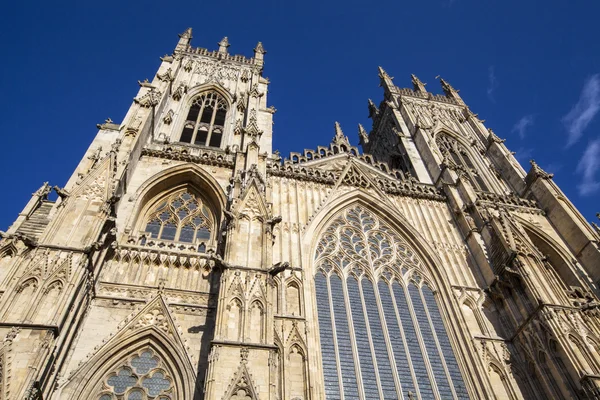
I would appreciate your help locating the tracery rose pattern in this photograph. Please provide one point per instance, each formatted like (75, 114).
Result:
(357, 238)
(142, 376)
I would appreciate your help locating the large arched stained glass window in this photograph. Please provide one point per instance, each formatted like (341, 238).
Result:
(181, 217)
(381, 330)
(141, 376)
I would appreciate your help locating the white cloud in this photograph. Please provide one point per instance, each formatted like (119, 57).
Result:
(584, 111)
(521, 126)
(492, 84)
(587, 167)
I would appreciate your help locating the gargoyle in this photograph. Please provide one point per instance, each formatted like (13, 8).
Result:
(279, 267)
(219, 260)
(272, 222)
(62, 193)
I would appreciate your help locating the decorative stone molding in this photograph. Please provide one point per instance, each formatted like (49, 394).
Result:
(184, 153)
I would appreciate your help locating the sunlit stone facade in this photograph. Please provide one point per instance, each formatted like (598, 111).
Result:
(185, 259)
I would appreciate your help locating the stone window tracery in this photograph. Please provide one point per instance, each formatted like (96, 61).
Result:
(205, 122)
(375, 306)
(181, 217)
(459, 156)
(141, 376)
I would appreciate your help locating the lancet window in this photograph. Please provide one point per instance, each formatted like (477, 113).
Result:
(205, 121)
(457, 155)
(381, 329)
(181, 217)
(141, 376)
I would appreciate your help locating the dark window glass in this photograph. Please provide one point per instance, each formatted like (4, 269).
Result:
(169, 231)
(369, 379)
(193, 114)
(343, 339)
(381, 353)
(220, 117)
(396, 338)
(207, 114)
(187, 234)
(215, 139)
(203, 234)
(201, 137)
(332, 383)
(442, 335)
(186, 136)
(413, 343)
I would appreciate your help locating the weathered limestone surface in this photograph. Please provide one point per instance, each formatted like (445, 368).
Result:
(175, 265)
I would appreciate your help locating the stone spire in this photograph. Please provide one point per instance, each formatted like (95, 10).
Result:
(417, 84)
(450, 91)
(184, 40)
(385, 79)
(363, 137)
(339, 137)
(373, 110)
(223, 45)
(259, 53)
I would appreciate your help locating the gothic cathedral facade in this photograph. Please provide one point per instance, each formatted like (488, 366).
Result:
(185, 259)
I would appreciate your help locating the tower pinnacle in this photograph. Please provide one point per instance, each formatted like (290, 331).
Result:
(259, 53)
(385, 79)
(184, 40)
(450, 91)
(223, 45)
(417, 84)
(373, 110)
(339, 137)
(363, 137)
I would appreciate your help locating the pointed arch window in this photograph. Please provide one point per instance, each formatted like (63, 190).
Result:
(181, 217)
(378, 318)
(460, 157)
(205, 122)
(142, 376)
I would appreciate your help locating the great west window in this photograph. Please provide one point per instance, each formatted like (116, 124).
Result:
(381, 329)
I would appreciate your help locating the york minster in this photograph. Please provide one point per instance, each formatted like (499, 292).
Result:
(185, 258)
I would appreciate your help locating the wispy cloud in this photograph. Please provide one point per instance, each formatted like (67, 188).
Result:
(523, 156)
(587, 167)
(492, 83)
(584, 111)
(521, 126)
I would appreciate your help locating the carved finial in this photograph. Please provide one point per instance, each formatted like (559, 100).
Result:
(259, 49)
(384, 78)
(538, 171)
(494, 138)
(223, 45)
(339, 137)
(447, 88)
(449, 91)
(338, 130)
(373, 110)
(259, 53)
(383, 74)
(187, 34)
(43, 191)
(417, 84)
(363, 137)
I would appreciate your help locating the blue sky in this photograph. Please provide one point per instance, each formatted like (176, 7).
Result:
(529, 68)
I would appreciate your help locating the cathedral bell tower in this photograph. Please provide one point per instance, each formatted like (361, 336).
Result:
(507, 218)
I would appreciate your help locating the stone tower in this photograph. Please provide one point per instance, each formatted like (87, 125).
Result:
(184, 259)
